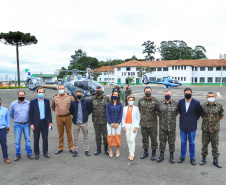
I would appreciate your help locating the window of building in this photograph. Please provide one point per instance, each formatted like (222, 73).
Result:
(202, 79)
(165, 69)
(178, 67)
(113, 79)
(196, 80)
(175, 67)
(192, 79)
(224, 68)
(181, 78)
(127, 68)
(218, 68)
(159, 69)
(178, 78)
(217, 79)
(99, 79)
(182, 67)
(159, 79)
(224, 80)
(192, 68)
(105, 73)
(172, 67)
(202, 68)
(153, 69)
(210, 80)
(196, 69)
(119, 68)
(210, 68)
(184, 78)
(152, 78)
(175, 78)
(105, 79)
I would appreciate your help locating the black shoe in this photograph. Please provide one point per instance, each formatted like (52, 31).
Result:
(181, 160)
(192, 161)
(106, 150)
(47, 155)
(58, 152)
(17, 158)
(72, 151)
(87, 153)
(98, 151)
(30, 156)
(215, 162)
(36, 157)
(171, 158)
(153, 155)
(203, 160)
(145, 154)
(161, 157)
(75, 154)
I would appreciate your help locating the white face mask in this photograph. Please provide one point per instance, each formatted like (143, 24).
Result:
(211, 100)
(61, 91)
(131, 102)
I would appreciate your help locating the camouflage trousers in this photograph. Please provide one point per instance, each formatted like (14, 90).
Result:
(100, 132)
(152, 133)
(208, 137)
(165, 136)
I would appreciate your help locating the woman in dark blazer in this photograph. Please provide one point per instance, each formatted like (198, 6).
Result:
(114, 112)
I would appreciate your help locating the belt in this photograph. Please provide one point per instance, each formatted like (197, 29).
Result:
(64, 115)
(23, 123)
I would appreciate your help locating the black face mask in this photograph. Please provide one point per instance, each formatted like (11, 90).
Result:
(99, 93)
(21, 98)
(148, 94)
(79, 97)
(0, 104)
(167, 97)
(187, 96)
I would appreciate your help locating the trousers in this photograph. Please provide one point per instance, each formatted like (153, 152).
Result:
(190, 136)
(130, 137)
(76, 130)
(152, 133)
(3, 141)
(212, 138)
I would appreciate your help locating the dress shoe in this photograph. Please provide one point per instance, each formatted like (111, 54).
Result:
(192, 161)
(75, 154)
(145, 154)
(98, 151)
(47, 155)
(58, 152)
(216, 163)
(203, 160)
(153, 155)
(87, 153)
(36, 157)
(72, 151)
(171, 158)
(161, 157)
(17, 158)
(7, 161)
(30, 156)
(106, 150)
(117, 155)
(131, 158)
(181, 160)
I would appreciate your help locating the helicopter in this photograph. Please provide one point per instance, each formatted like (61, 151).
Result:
(71, 82)
(166, 82)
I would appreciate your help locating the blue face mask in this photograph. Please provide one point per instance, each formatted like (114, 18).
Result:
(40, 95)
(115, 97)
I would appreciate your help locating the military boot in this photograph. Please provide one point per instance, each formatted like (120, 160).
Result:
(106, 150)
(145, 154)
(215, 162)
(153, 155)
(171, 158)
(203, 160)
(161, 157)
(98, 151)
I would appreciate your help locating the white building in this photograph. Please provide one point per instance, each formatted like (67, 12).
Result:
(107, 74)
(189, 72)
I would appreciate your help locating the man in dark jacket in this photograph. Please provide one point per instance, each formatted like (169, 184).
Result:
(190, 111)
(80, 109)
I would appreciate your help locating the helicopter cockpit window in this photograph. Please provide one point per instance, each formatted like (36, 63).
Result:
(81, 84)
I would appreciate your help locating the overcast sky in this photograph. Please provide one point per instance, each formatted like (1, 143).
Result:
(107, 29)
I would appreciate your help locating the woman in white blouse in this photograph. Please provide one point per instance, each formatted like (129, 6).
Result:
(130, 124)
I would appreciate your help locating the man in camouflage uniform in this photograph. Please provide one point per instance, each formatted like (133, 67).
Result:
(122, 95)
(99, 118)
(148, 113)
(128, 92)
(212, 113)
(167, 112)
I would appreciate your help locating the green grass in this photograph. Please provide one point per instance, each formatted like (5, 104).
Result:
(11, 87)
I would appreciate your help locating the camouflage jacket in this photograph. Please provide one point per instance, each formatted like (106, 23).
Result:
(211, 117)
(99, 109)
(148, 111)
(122, 95)
(128, 92)
(167, 113)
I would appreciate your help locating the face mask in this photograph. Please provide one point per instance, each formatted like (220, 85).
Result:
(115, 97)
(131, 102)
(99, 93)
(40, 95)
(187, 96)
(79, 97)
(211, 100)
(21, 98)
(148, 94)
(61, 91)
(0, 104)
(167, 97)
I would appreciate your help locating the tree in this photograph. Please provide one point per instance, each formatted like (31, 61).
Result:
(95, 74)
(149, 49)
(199, 52)
(78, 54)
(116, 62)
(84, 62)
(130, 79)
(18, 39)
(143, 71)
(63, 72)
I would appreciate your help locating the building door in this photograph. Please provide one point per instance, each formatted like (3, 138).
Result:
(127, 81)
(119, 80)
(137, 81)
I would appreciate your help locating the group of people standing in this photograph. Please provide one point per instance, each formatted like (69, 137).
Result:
(109, 116)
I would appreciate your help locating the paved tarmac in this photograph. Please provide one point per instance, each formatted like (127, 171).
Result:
(101, 169)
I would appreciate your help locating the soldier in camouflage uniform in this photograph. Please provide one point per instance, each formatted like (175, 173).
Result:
(128, 92)
(122, 95)
(212, 113)
(148, 113)
(167, 111)
(99, 118)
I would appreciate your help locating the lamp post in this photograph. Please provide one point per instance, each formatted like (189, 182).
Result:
(222, 57)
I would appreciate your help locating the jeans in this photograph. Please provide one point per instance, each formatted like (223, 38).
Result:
(184, 135)
(3, 141)
(18, 129)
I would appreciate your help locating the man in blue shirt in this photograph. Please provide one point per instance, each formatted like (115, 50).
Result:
(19, 112)
(4, 129)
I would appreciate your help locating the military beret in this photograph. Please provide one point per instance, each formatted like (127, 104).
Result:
(99, 87)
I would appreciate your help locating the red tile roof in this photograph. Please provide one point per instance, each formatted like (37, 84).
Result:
(104, 69)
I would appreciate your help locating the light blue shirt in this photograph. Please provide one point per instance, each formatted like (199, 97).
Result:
(187, 104)
(41, 106)
(19, 112)
(4, 118)
(79, 116)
